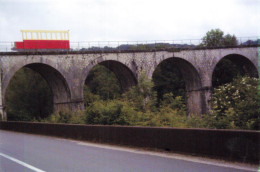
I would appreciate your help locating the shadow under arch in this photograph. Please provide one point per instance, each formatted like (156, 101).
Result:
(195, 98)
(124, 75)
(223, 73)
(56, 81)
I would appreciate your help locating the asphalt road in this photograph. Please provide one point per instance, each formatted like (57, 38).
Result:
(25, 152)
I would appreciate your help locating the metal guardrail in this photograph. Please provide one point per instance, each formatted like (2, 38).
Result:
(140, 45)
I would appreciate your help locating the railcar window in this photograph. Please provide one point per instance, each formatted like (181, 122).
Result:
(34, 35)
(44, 35)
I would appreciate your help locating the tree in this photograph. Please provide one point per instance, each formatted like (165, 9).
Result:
(236, 104)
(230, 40)
(28, 96)
(142, 96)
(103, 82)
(167, 79)
(216, 38)
(225, 72)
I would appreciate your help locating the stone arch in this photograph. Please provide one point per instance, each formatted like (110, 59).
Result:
(241, 61)
(54, 78)
(195, 96)
(125, 75)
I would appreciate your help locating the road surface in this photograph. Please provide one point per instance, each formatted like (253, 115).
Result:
(21, 152)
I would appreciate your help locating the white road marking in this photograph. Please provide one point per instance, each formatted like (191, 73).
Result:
(21, 163)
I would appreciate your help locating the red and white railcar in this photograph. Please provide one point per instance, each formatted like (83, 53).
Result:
(43, 40)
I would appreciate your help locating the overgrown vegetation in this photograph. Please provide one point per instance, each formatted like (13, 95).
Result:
(236, 104)
(157, 102)
(28, 96)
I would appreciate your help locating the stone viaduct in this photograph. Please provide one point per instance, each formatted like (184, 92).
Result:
(66, 73)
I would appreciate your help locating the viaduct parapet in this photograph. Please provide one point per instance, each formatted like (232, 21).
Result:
(66, 73)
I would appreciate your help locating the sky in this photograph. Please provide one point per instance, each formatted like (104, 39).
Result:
(130, 20)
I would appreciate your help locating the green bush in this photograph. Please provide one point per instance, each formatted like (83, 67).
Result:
(142, 96)
(66, 116)
(110, 112)
(236, 104)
